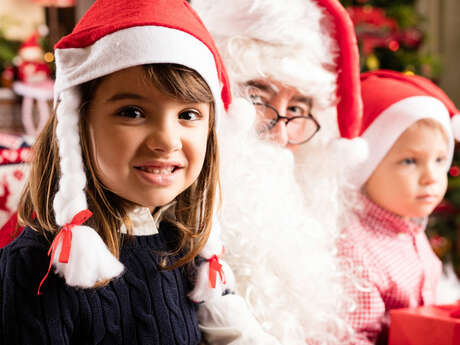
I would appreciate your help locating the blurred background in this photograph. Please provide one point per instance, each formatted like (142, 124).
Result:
(412, 36)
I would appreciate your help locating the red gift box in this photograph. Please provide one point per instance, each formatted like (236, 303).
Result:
(430, 325)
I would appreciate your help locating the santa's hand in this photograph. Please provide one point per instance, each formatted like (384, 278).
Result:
(228, 320)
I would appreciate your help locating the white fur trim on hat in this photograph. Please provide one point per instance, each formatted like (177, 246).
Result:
(456, 126)
(90, 261)
(284, 40)
(132, 47)
(391, 123)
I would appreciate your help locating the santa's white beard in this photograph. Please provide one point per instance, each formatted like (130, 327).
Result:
(283, 257)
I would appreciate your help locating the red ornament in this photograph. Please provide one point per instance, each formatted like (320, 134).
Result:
(373, 28)
(445, 207)
(393, 45)
(454, 171)
(411, 37)
(440, 245)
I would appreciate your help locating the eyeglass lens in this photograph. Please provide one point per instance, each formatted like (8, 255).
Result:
(299, 129)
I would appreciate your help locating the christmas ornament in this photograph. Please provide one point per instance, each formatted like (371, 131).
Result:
(34, 85)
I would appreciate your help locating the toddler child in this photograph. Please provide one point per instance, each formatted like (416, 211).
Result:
(407, 125)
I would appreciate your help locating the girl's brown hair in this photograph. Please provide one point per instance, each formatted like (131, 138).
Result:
(194, 207)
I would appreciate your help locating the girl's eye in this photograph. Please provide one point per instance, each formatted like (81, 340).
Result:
(131, 112)
(189, 115)
(408, 161)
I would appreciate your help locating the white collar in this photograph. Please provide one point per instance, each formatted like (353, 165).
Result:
(143, 222)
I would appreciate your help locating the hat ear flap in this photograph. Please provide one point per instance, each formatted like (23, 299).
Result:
(87, 259)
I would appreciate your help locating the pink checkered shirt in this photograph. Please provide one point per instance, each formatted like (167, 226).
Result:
(396, 266)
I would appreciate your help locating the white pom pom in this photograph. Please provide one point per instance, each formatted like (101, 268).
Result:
(242, 114)
(456, 126)
(352, 151)
(90, 261)
(202, 291)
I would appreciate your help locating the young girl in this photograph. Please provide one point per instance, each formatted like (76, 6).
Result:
(407, 126)
(139, 87)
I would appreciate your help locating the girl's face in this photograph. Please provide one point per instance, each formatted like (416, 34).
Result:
(148, 147)
(412, 178)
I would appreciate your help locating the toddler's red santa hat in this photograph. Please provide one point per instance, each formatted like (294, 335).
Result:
(114, 35)
(394, 101)
(309, 44)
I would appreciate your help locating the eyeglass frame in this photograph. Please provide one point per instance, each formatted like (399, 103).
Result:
(287, 119)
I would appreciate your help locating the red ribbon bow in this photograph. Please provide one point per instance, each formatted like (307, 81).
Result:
(214, 268)
(65, 235)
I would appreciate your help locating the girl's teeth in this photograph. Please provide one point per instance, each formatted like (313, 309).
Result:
(164, 171)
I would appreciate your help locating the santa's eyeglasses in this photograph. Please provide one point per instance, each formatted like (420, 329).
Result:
(300, 129)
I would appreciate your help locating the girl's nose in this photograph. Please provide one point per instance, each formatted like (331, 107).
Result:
(164, 137)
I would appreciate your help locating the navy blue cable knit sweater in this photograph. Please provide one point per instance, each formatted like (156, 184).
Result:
(146, 305)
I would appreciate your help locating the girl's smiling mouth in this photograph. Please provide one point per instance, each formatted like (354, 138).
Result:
(159, 173)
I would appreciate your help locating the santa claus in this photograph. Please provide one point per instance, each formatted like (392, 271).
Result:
(295, 71)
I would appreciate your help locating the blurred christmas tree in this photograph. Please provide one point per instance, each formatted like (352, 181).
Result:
(444, 224)
(8, 51)
(390, 35)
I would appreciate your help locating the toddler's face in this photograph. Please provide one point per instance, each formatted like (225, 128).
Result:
(412, 178)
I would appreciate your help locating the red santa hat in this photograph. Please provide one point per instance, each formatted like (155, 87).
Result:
(114, 35)
(310, 44)
(349, 107)
(393, 101)
(31, 42)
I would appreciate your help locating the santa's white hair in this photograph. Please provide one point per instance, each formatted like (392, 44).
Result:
(282, 213)
(289, 41)
(283, 256)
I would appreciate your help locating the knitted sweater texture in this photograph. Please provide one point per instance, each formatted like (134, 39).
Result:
(146, 305)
